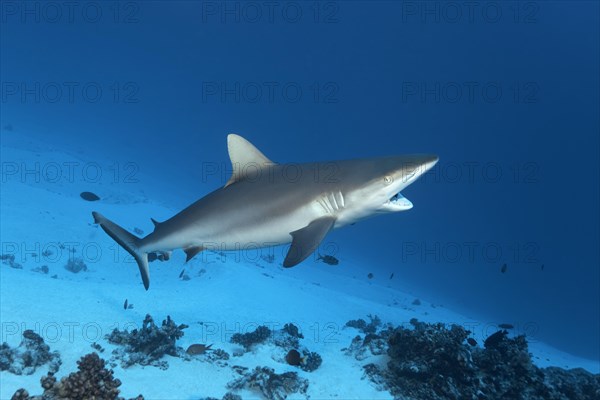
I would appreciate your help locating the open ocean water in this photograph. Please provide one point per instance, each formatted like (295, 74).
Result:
(486, 285)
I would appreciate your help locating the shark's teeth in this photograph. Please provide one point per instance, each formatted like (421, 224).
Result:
(400, 201)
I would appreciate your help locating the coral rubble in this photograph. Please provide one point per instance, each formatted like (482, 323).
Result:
(272, 385)
(75, 265)
(9, 259)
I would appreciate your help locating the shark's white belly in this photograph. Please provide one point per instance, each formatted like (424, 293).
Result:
(234, 231)
(267, 231)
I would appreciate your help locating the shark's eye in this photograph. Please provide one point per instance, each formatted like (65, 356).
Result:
(388, 180)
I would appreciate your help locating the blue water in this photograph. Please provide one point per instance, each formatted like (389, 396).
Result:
(506, 93)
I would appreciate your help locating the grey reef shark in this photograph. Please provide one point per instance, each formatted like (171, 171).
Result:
(267, 204)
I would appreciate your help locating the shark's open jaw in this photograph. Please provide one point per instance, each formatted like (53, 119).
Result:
(399, 202)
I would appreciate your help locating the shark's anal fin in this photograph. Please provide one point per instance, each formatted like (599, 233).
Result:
(245, 158)
(306, 240)
(190, 252)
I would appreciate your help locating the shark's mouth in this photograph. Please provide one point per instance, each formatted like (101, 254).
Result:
(400, 202)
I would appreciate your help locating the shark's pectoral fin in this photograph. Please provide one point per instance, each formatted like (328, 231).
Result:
(306, 240)
(191, 252)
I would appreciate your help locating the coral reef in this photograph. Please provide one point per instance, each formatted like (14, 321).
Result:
(273, 386)
(91, 381)
(371, 345)
(292, 330)
(435, 361)
(288, 337)
(363, 326)
(75, 265)
(310, 361)
(259, 335)
(31, 353)
(147, 345)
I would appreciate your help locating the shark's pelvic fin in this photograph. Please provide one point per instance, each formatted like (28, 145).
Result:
(190, 252)
(245, 158)
(155, 222)
(306, 240)
(128, 241)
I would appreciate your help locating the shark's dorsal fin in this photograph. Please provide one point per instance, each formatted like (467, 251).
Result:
(245, 158)
(306, 240)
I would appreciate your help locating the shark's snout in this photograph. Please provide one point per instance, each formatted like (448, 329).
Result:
(427, 161)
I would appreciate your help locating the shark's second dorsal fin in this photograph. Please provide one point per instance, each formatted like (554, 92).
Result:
(245, 158)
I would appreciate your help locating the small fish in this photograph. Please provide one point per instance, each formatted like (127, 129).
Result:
(89, 196)
(505, 326)
(196, 349)
(391, 276)
(181, 274)
(370, 276)
(542, 267)
(503, 269)
(327, 259)
(125, 305)
(472, 342)
(293, 357)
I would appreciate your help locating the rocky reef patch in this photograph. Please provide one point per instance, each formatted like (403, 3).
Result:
(439, 362)
(31, 353)
(287, 343)
(91, 381)
(148, 345)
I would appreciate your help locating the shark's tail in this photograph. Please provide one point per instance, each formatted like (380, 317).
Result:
(128, 241)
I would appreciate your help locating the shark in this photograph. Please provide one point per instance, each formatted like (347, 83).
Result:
(265, 204)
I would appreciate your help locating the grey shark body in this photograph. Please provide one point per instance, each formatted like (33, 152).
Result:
(267, 204)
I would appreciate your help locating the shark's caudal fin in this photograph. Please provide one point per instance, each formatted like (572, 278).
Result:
(128, 241)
